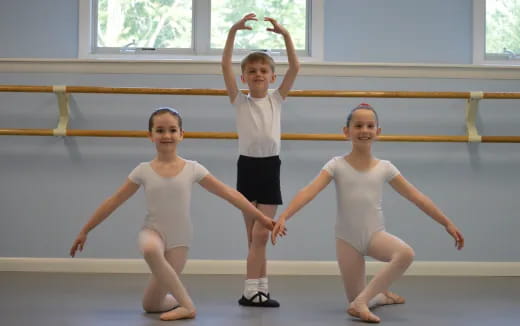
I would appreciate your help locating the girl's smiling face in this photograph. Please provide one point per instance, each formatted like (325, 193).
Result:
(166, 131)
(363, 127)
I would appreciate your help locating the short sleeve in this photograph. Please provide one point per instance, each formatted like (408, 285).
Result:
(199, 171)
(391, 171)
(136, 176)
(330, 166)
(239, 99)
(276, 96)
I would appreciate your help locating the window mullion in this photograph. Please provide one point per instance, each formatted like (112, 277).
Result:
(479, 31)
(201, 26)
(315, 31)
(85, 23)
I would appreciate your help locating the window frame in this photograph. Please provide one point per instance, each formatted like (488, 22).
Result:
(201, 37)
(479, 38)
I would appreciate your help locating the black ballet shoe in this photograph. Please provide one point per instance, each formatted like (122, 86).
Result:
(264, 300)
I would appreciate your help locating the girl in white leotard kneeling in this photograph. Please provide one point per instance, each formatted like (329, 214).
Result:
(167, 232)
(360, 231)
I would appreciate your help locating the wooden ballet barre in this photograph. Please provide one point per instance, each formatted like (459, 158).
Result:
(233, 135)
(222, 92)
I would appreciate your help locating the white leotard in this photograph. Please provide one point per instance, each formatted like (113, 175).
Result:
(359, 198)
(168, 201)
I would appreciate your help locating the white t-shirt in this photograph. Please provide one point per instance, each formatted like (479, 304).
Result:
(258, 124)
(168, 200)
(359, 199)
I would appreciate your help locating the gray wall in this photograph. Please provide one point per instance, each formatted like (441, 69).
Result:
(50, 186)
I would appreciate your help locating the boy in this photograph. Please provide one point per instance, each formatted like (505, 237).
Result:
(258, 127)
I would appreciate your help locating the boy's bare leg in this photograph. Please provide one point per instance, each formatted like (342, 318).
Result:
(152, 248)
(256, 287)
(257, 239)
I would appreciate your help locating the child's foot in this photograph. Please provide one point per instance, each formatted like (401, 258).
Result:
(385, 298)
(178, 313)
(260, 299)
(362, 312)
(392, 298)
(169, 303)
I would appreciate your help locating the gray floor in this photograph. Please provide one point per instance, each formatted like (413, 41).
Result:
(114, 299)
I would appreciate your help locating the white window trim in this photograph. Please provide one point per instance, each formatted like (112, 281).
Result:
(479, 37)
(84, 39)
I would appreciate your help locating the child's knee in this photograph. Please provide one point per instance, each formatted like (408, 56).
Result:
(406, 255)
(148, 307)
(260, 235)
(150, 250)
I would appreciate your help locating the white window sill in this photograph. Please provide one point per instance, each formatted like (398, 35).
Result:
(211, 66)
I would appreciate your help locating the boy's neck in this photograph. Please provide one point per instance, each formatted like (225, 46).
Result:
(258, 93)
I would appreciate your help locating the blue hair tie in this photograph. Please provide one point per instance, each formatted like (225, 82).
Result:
(166, 108)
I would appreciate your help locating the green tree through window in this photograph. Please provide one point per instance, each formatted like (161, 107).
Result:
(144, 23)
(292, 14)
(123, 26)
(503, 28)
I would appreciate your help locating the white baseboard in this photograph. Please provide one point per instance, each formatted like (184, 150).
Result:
(238, 267)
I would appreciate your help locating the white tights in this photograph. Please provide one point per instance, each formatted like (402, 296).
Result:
(164, 290)
(384, 247)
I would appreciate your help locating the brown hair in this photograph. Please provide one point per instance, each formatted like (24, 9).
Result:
(362, 106)
(163, 110)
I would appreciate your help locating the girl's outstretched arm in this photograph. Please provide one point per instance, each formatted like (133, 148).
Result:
(408, 191)
(102, 212)
(305, 195)
(217, 187)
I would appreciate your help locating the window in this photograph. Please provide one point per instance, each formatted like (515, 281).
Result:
(185, 28)
(496, 31)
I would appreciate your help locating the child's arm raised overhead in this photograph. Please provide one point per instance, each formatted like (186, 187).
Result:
(217, 187)
(294, 65)
(408, 191)
(102, 212)
(304, 196)
(227, 64)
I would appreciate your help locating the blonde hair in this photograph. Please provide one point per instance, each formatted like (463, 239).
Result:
(257, 56)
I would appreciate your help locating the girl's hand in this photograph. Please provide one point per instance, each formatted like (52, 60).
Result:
(241, 24)
(78, 244)
(456, 234)
(267, 222)
(278, 230)
(277, 28)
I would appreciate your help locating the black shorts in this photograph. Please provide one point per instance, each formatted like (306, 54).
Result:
(258, 179)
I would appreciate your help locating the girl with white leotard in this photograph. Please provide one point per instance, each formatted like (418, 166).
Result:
(359, 178)
(167, 231)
